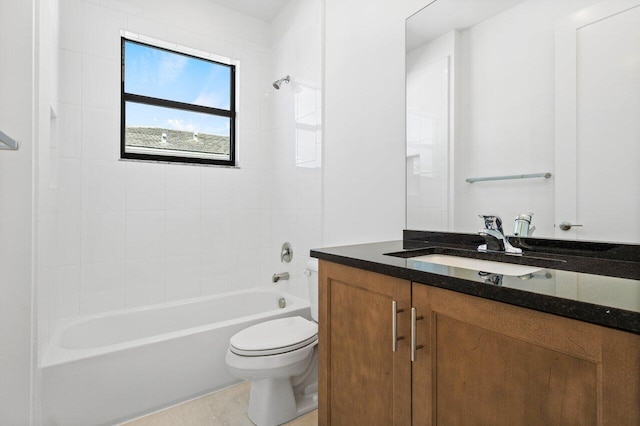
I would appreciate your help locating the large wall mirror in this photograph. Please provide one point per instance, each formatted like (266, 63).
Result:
(525, 106)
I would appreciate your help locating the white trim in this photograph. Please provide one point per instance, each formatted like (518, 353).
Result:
(178, 48)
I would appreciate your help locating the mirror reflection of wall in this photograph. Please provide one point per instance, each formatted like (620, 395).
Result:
(482, 85)
(428, 131)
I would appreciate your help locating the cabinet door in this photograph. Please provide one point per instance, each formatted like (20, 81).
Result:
(485, 362)
(362, 381)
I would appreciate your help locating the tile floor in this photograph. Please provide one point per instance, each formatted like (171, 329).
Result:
(227, 407)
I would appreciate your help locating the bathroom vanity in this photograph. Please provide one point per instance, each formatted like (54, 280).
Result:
(408, 341)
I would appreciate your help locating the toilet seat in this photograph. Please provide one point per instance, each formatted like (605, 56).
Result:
(274, 337)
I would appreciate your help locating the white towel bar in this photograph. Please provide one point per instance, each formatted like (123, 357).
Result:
(546, 175)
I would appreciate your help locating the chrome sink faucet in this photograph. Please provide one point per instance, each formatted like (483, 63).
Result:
(494, 236)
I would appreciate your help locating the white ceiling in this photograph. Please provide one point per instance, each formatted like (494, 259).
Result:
(264, 10)
(442, 16)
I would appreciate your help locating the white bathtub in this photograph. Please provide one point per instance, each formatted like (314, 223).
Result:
(111, 367)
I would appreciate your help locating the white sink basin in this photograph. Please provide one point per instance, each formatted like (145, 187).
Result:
(478, 264)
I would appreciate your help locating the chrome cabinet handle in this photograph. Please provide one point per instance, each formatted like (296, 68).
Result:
(414, 337)
(565, 226)
(394, 325)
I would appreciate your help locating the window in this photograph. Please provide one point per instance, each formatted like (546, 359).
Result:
(176, 107)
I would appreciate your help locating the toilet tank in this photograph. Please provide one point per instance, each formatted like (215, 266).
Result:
(312, 281)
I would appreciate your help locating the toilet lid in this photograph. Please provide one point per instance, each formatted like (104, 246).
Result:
(274, 337)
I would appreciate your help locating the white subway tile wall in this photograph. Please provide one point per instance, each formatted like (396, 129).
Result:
(116, 234)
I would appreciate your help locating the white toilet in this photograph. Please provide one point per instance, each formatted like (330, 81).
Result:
(280, 359)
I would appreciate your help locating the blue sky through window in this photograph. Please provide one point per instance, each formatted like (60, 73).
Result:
(161, 74)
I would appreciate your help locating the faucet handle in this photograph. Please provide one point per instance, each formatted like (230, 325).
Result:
(286, 252)
(492, 221)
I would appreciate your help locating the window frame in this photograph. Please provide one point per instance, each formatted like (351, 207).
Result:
(187, 156)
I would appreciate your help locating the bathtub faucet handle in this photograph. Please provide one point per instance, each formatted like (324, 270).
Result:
(286, 253)
(280, 276)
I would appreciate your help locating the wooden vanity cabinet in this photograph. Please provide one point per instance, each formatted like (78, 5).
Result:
(361, 380)
(477, 361)
(489, 363)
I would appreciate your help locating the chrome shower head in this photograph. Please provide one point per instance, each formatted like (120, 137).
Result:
(277, 83)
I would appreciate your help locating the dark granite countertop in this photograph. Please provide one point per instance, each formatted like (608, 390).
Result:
(597, 283)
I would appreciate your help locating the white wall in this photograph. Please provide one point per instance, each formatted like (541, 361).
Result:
(295, 137)
(119, 234)
(16, 168)
(430, 132)
(364, 155)
(507, 102)
(47, 161)
(126, 234)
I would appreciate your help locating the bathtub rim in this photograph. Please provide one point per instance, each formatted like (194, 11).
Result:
(56, 355)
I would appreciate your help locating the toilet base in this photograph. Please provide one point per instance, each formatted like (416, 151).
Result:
(273, 402)
(283, 386)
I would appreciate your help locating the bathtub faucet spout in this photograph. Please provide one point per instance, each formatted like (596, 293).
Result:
(280, 276)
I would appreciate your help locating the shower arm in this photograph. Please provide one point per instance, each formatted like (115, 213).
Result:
(278, 83)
